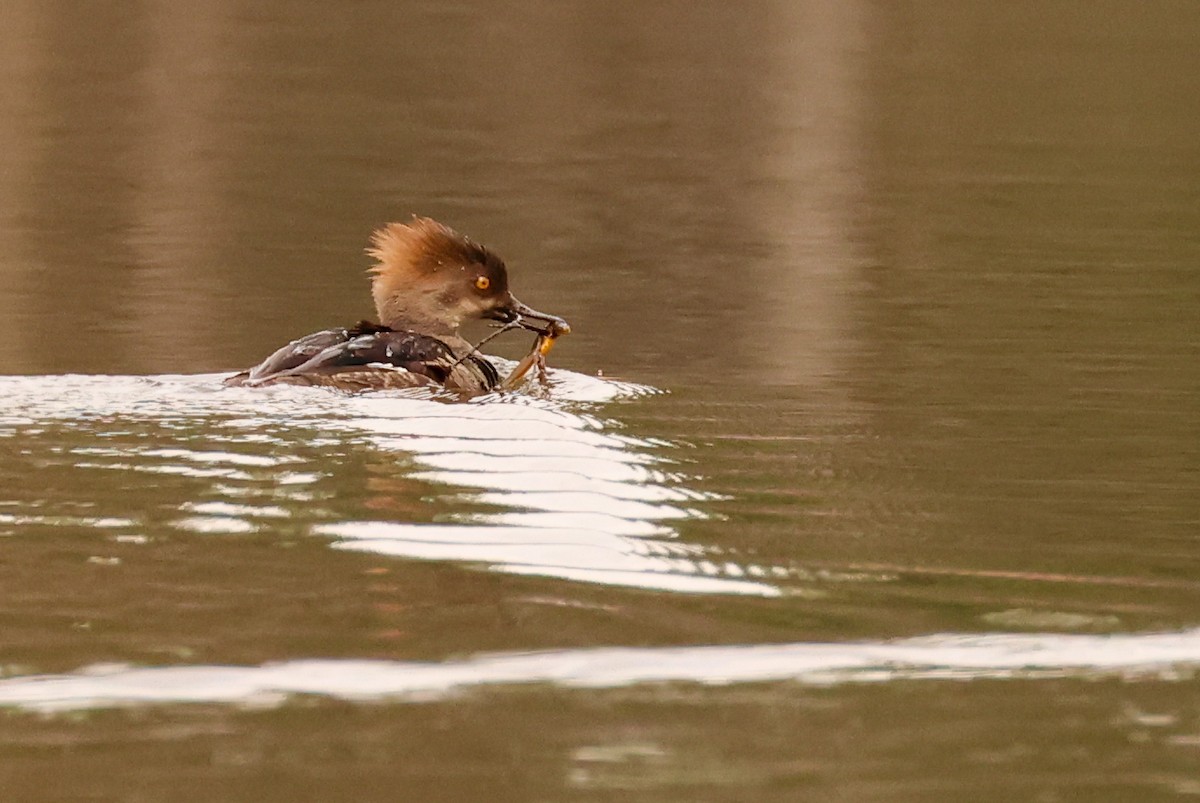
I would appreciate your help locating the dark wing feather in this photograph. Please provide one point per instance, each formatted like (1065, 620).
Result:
(292, 355)
(347, 356)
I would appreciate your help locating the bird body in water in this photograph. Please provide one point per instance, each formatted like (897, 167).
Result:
(426, 281)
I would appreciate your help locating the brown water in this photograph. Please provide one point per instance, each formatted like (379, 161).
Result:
(890, 489)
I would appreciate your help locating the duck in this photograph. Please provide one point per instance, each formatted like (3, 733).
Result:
(426, 281)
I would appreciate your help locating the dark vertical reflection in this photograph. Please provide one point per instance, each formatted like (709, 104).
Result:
(216, 172)
(73, 113)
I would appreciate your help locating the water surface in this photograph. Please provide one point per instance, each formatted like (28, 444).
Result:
(886, 488)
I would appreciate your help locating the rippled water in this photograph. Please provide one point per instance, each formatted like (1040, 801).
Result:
(174, 521)
(514, 483)
(1169, 656)
(869, 471)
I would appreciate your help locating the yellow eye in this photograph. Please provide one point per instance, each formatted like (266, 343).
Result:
(482, 283)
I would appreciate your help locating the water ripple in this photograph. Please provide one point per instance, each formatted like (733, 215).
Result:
(1162, 656)
(537, 484)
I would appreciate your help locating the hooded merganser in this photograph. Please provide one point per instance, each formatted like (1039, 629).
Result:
(427, 280)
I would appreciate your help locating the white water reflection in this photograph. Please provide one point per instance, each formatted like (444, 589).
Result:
(572, 500)
(532, 485)
(586, 555)
(1163, 656)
